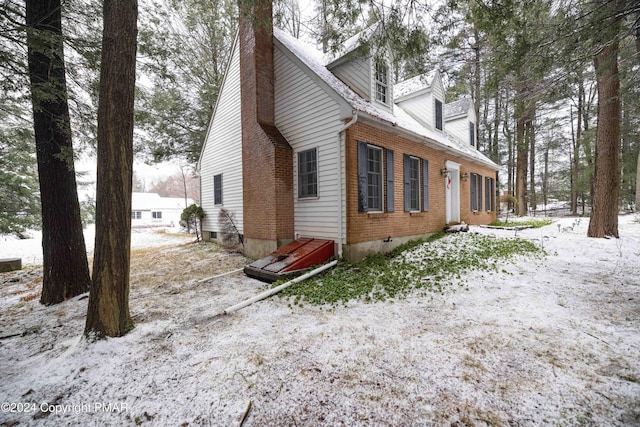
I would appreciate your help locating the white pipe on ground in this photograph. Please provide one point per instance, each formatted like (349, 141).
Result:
(206, 279)
(277, 289)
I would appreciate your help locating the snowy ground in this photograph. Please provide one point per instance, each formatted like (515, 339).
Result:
(551, 342)
(30, 250)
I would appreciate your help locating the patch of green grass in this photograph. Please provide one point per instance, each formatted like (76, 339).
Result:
(426, 266)
(535, 223)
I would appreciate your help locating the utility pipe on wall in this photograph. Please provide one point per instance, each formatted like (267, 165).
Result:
(342, 138)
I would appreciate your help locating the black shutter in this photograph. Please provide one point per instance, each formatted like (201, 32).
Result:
(390, 194)
(487, 193)
(438, 115)
(363, 204)
(425, 185)
(479, 193)
(473, 188)
(472, 134)
(406, 161)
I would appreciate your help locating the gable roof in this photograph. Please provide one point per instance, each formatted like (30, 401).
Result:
(399, 120)
(414, 86)
(351, 44)
(456, 108)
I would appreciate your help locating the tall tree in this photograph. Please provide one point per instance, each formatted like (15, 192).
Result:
(19, 196)
(108, 312)
(66, 271)
(184, 47)
(606, 179)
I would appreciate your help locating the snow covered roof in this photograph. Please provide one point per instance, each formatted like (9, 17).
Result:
(413, 85)
(351, 44)
(457, 108)
(313, 60)
(153, 201)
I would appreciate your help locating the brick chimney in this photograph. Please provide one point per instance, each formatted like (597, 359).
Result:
(267, 158)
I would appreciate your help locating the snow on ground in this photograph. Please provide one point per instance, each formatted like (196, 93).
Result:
(30, 250)
(545, 342)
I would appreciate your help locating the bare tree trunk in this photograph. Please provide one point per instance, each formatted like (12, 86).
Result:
(477, 84)
(531, 142)
(637, 207)
(545, 176)
(495, 147)
(606, 177)
(108, 313)
(577, 138)
(521, 169)
(66, 271)
(508, 133)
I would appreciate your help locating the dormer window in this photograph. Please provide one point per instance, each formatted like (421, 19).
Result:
(382, 81)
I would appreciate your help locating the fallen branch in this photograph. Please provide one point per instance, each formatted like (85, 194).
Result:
(5, 337)
(246, 413)
(598, 338)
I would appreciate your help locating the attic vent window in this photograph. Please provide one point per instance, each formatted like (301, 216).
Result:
(382, 81)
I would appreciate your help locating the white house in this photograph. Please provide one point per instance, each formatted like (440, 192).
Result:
(300, 145)
(151, 210)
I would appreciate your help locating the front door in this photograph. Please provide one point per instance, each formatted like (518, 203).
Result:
(452, 193)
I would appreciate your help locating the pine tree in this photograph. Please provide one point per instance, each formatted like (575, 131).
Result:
(19, 195)
(66, 271)
(185, 46)
(108, 312)
(606, 178)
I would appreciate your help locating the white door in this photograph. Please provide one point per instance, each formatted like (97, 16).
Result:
(452, 193)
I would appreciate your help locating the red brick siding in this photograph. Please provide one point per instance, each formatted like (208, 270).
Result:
(363, 227)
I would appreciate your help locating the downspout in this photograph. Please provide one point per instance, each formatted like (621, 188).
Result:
(342, 137)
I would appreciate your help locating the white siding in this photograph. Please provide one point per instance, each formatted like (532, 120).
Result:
(309, 118)
(357, 75)
(437, 92)
(421, 108)
(458, 126)
(223, 151)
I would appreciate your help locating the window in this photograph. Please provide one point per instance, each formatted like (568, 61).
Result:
(382, 81)
(489, 193)
(371, 178)
(413, 180)
(136, 215)
(412, 190)
(217, 189)
(476, 192)
(156, 215)
(472, 134)
(308, 174)
(439, 115)
(374, 178)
